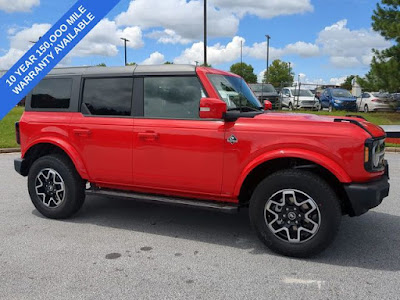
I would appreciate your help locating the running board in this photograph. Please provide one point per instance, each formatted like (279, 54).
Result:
(224, 207)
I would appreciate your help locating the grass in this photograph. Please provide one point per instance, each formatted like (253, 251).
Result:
(7, 125)
(378, 118)
(7, 128)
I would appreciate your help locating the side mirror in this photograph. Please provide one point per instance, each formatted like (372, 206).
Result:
(267, 105)
(212, 108)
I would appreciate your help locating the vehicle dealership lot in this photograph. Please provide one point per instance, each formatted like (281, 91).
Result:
(116, 249)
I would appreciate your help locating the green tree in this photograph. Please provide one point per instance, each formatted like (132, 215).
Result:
(101, 65)
(385, 66)
(246, 71)
(131, 64)
(279, 73)
(347, 84)
(168, 63)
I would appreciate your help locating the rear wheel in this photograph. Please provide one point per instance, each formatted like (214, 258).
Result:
(366, 109)
(295, 213)
(56, 189)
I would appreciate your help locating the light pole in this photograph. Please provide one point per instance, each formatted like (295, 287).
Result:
(126, 55)
(205, 33)
(267, 77)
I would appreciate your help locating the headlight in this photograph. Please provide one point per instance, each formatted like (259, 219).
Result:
(374, 155)
(338, 101)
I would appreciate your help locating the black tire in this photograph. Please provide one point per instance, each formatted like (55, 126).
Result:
(325, 200)
(73, 186)
(290, 106)
(330, 109)
(366, 109)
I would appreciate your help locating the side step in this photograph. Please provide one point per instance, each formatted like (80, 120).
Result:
(224, 207)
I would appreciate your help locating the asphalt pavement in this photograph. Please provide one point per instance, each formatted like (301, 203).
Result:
(122, 249)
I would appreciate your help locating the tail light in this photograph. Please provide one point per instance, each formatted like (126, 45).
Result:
(375, 100)
(17, 133)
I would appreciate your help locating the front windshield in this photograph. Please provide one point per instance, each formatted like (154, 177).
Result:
(235, 92)
(259, 88)
(303, 93)
(341, 94)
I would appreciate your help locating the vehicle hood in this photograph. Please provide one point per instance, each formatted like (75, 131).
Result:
(305, 98)
(270, 94)
(344, 99)
(373, 130)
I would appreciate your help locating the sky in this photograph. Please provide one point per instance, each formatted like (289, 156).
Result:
(324, 40)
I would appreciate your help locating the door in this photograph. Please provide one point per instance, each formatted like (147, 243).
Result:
(175, 151)
(325, 99)
(103, 131)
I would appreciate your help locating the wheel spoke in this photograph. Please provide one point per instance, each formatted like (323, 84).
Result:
(50, 188)
(292, 216)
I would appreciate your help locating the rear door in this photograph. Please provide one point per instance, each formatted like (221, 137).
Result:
(103, 131)
(174, 150)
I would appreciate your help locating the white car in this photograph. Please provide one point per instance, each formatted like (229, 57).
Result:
(292, 98)
(375, 101)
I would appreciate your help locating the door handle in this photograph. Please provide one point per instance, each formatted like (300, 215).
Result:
(82, 132)
(148, 136)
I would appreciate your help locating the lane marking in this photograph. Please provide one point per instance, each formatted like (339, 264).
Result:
(289, 280)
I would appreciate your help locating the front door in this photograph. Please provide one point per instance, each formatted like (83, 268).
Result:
(175, 151)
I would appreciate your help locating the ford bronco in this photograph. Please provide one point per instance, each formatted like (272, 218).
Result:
(192, 136)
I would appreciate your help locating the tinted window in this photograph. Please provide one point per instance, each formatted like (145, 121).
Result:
(108, 96)
(172, 97)
(52, 93)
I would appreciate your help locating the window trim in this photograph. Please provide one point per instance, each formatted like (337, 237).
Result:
(143, 77)
(82, 87)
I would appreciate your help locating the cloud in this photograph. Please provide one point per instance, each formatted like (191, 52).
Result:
(155, 58)
(338, 81)
(168, 36)
(20, 42)
(265, 9)
(349, 48)
(182, 17)
(217, 54)
(18, 5)
(259, 50)
(103, 40)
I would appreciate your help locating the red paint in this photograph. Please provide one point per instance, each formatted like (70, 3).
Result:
(192, 158)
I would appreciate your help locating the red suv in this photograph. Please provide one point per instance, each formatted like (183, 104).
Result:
(197, 137)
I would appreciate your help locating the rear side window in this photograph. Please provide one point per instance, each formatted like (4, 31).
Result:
(108, 96)
(174, 97)
(52, 93)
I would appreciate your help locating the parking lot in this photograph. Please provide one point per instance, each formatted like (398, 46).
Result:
(121, 249)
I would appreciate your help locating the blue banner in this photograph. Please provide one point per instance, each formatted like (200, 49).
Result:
(50, 50)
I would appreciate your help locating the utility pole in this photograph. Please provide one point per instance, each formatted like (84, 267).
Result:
(268, 38)
(205, 33)
(126, 55)
(289, 69)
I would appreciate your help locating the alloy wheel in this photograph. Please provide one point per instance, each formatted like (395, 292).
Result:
(50, 188)
(292, 216)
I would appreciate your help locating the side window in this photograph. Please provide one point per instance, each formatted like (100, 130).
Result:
(108, 96)
(366, 95)
(174, 97)
(52, 93)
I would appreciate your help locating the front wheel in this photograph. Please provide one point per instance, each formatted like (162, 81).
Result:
(290, 106)
(295, 213)
(55, 187)
(330, 109)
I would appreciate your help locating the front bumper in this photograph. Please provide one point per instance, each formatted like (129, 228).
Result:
(364, 196)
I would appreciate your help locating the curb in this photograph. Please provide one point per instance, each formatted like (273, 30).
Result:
(10, 150)
(393, 149)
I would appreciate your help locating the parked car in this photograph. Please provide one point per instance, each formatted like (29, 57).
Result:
(396, 98)
(338, 99)
(293, 98)
(376, 102)
(197, 137)
(266, 91)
